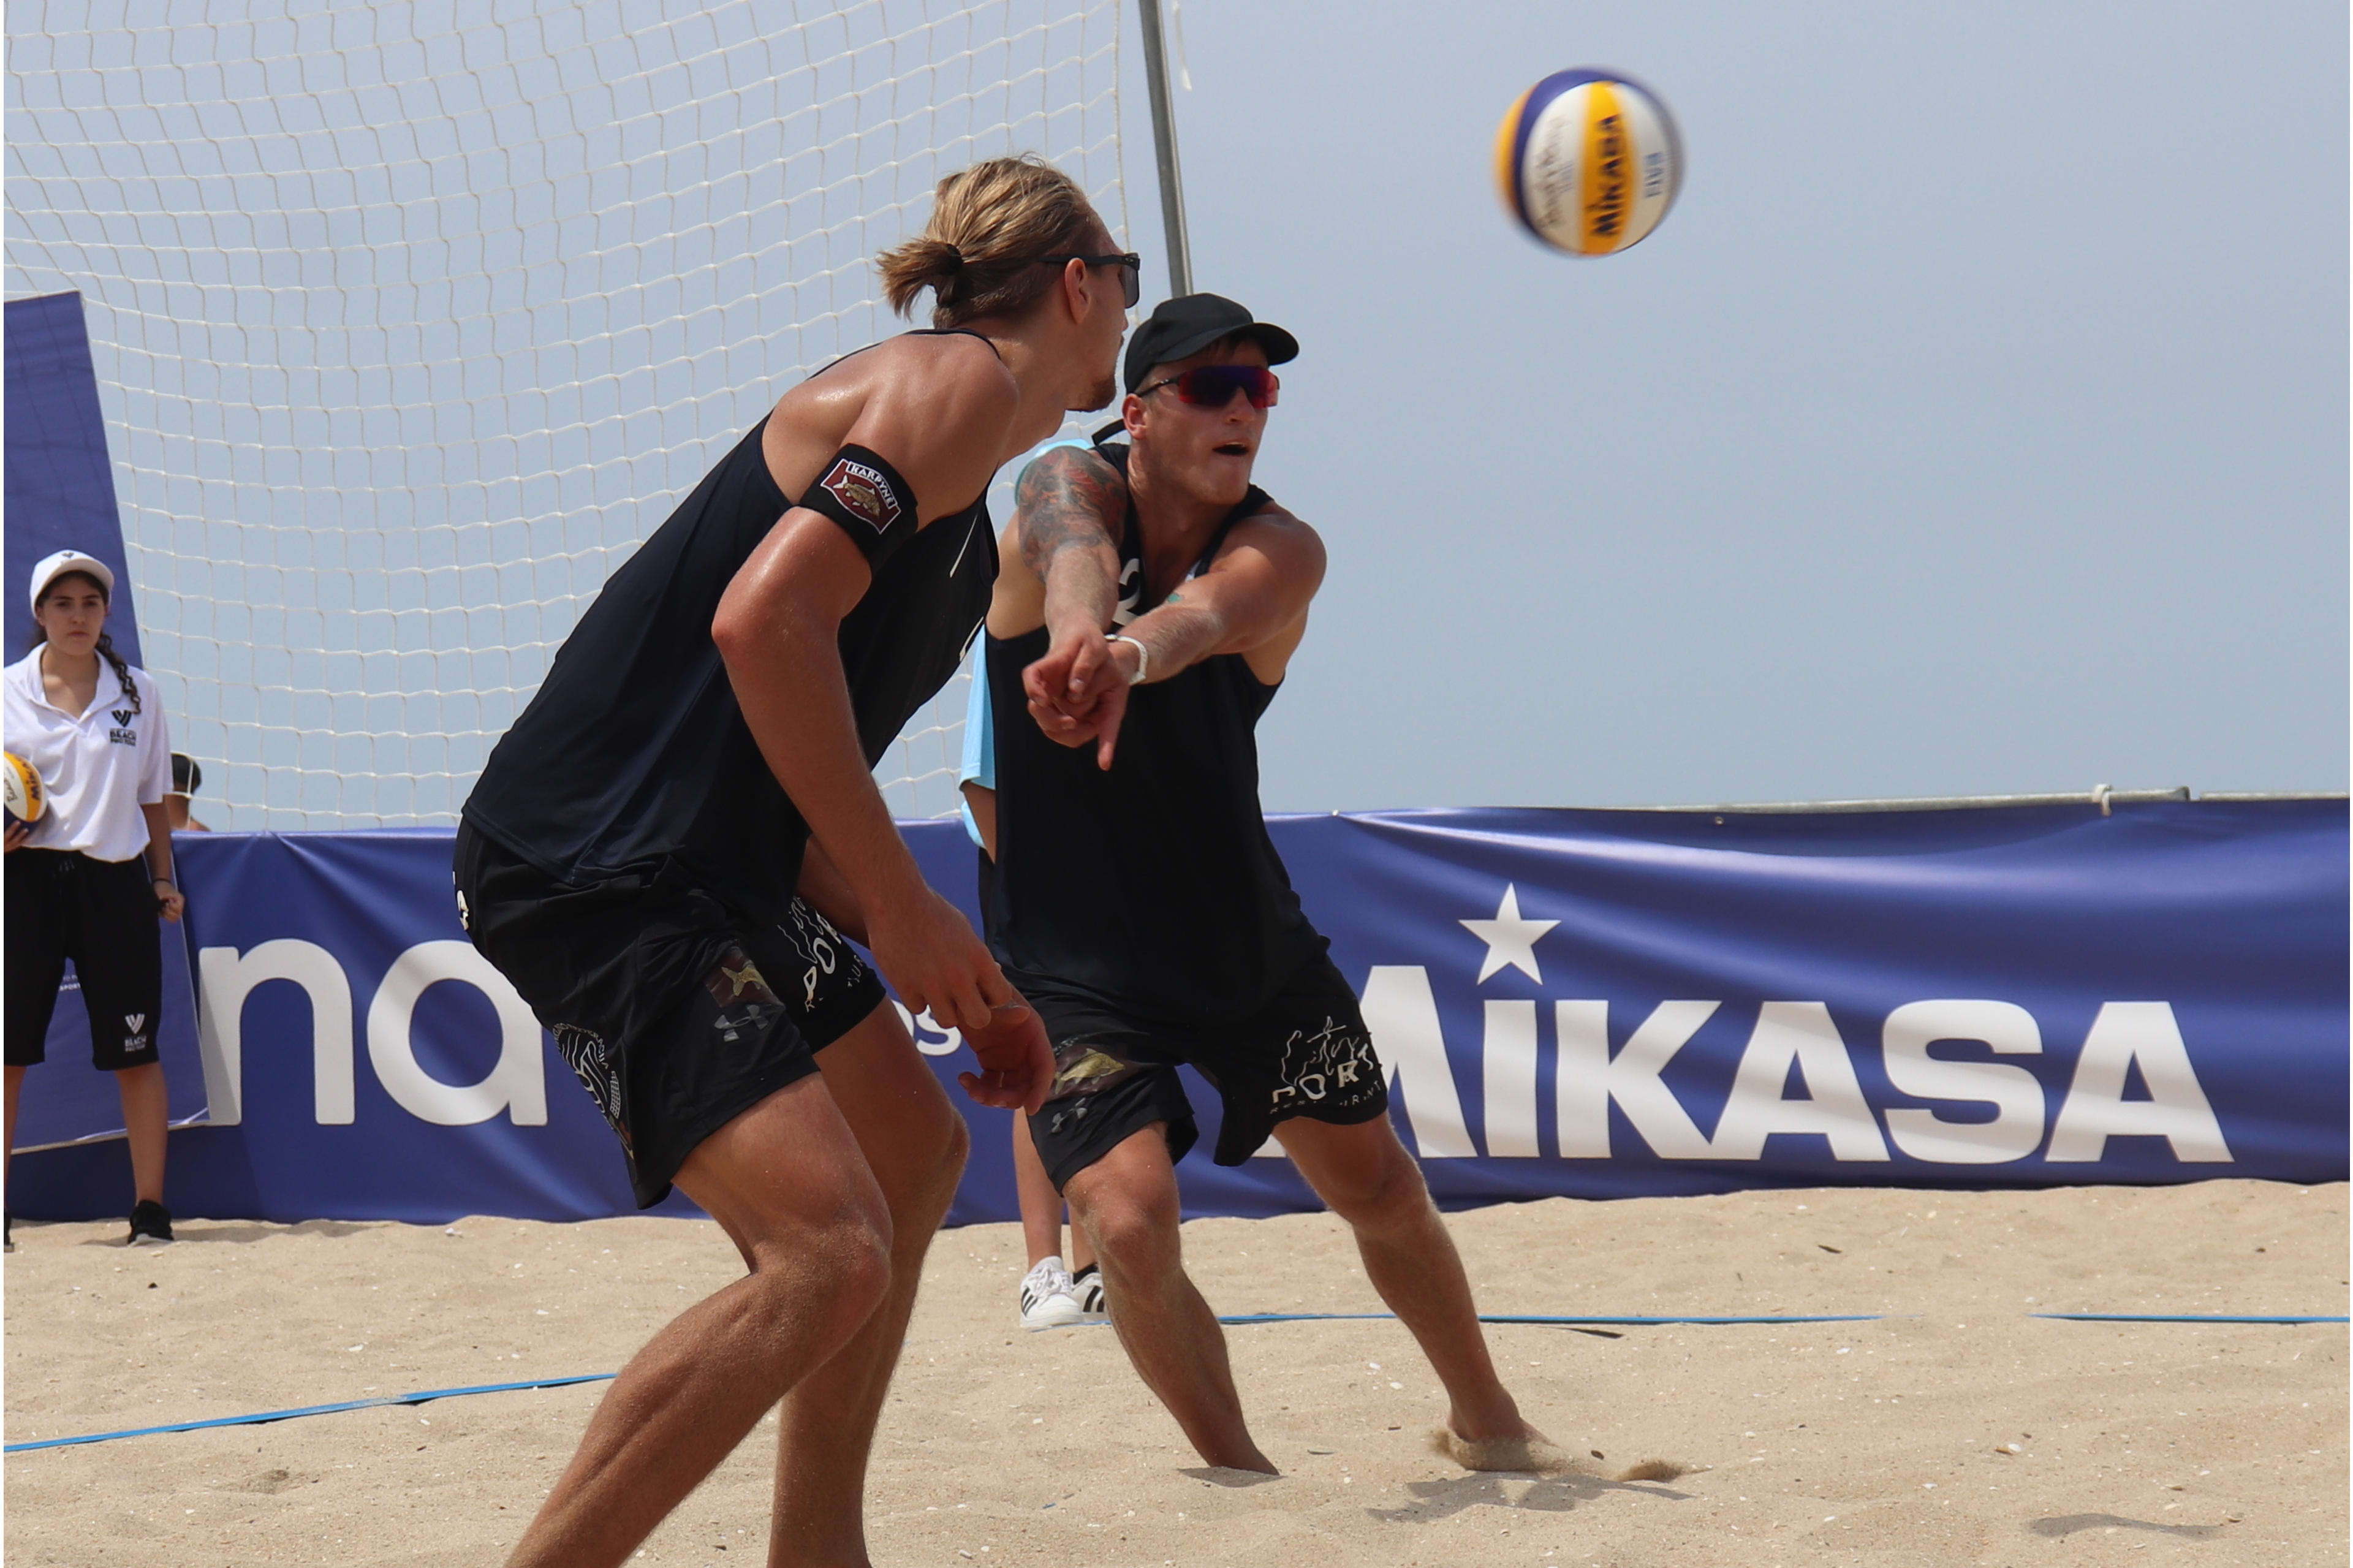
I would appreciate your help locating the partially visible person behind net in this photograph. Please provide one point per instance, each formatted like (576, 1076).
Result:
(1061, 1288)
(1153, 605)
(664, 850)
(178, 806)
(87, 880)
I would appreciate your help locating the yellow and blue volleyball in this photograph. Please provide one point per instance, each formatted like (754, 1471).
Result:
(1588, 161)
(20, 785)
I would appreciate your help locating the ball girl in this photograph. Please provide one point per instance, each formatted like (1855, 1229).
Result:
(88, 879)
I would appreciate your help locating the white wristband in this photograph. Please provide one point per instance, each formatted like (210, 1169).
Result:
(1143, 659)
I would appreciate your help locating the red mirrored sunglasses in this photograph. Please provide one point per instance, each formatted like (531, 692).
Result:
(1214, 385)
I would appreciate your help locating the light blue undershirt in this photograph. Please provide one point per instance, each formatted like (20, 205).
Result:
(979, 740)
(979, 764)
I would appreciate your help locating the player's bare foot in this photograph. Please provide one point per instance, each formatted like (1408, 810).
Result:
(1534, 1453)
(1531, 1450)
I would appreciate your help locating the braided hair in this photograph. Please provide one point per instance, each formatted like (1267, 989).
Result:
(105, 640)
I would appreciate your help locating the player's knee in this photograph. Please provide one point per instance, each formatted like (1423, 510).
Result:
(919, 1167)
(954, 1147)
(859, 1264)
(839, 1271)
(1133, 1224)
(917, 1156)
(937, 1167)
(1386, 1186)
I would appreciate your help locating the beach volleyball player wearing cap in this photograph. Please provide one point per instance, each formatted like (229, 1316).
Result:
(1152, 600)
(701, 749)
(88, 877)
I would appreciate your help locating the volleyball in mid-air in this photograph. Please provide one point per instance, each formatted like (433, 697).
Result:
(20, 783)
(1588, 161)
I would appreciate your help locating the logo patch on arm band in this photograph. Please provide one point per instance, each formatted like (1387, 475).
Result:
(862, 492)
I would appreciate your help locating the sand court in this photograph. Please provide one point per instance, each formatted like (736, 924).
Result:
(1956, 1430)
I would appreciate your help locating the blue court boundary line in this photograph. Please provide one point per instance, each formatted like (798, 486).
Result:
(265, 1417)
(1565, 1323)
(2176, 1317)
(426, 1396)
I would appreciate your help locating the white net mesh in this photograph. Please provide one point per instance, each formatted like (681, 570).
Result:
(411, 319)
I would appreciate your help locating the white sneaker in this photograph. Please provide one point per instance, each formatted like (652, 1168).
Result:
(1087, 1287)
(1049, 1300)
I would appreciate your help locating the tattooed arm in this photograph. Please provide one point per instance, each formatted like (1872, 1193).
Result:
(1069, 503)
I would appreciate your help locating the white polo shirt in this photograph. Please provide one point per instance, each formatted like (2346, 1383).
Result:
(100, 766)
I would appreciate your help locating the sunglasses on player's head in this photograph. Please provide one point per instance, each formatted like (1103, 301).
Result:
(1131, 273)
(1214, 385)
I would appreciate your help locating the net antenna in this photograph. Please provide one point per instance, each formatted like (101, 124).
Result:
(410, 322)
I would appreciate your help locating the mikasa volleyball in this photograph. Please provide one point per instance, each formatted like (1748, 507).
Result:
(1588, 161)
(20, 783)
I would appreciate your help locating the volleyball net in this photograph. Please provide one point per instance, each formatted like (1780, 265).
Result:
(410, 321)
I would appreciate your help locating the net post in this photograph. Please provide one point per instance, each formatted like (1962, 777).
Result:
(1163, 148)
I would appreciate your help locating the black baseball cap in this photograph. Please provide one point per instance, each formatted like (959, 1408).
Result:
(1186, 325)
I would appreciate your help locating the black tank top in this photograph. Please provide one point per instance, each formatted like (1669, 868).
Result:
(1153, 889)
(634, 759)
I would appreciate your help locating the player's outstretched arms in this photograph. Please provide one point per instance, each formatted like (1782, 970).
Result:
(1252, 600)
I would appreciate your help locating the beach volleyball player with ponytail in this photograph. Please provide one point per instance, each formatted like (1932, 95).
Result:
(660, 848)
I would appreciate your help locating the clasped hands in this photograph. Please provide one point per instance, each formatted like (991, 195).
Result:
(1077, 691)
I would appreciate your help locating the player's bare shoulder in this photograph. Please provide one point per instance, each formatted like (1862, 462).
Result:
(1068, 496)
(937, 405)
(1283, 539)
(954, 376)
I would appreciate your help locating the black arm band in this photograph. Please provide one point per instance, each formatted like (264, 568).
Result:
(861, 491)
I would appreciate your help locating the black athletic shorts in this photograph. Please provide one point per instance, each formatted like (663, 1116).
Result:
(678, 1012)
(1306, 1053)
(101, 914)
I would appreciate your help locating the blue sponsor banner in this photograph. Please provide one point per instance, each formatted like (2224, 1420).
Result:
(1589, 1004)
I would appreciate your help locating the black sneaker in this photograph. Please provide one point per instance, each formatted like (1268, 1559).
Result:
(150, 1222)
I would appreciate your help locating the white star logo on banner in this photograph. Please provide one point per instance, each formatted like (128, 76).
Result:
(1511, 941)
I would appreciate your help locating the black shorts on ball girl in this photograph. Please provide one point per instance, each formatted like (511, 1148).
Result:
(678, 1012)
(1305, 1053)
(103, 914)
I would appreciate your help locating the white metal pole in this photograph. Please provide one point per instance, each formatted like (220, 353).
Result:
(1164, 147)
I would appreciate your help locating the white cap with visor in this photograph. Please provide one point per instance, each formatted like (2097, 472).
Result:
(52, 567)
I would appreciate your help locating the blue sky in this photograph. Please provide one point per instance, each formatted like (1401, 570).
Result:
(1976, 423)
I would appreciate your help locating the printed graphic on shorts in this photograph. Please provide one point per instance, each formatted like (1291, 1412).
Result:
(1081, 1071)
(823, 950)
(1331, 1067)
(863, 492)
(746, 1006)
(584, 1051)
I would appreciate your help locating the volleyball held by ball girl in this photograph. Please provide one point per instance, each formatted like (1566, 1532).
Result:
(89, 874)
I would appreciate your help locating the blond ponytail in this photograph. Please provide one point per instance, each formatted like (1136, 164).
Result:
(990, 225)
